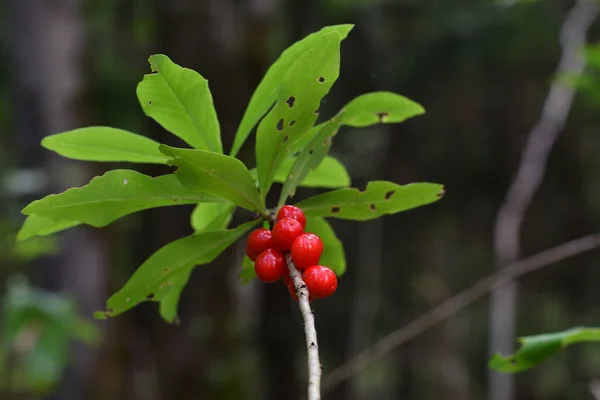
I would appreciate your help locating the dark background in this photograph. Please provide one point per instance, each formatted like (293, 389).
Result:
(481, 69)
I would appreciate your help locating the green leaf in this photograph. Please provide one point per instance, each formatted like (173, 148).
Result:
(35, 225)
(170, 299)
(247, 273)
(310, 158)
(379, 107)
(103, 143)
(265, 94)
(537, 348)
(114, 195)
(304, 85)
(212, 216)
(164, 274)
(215, 173)
(366, 110)
(179, 99)
(330, 173)
(379, 198)
(333, 254)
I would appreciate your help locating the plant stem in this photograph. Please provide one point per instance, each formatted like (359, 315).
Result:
(314, 365)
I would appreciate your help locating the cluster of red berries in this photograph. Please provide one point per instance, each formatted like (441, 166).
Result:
(268, 248)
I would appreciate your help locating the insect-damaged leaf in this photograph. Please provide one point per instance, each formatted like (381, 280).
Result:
(221, 175)
(179, 99)
(103, 143)
(306, 82)
(379, 107)
(537, 348)
(379, 198)
(309, 158)
(164, 274)
(265, 94)
(114, 195)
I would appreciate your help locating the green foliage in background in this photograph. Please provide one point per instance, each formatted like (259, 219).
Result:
(291, 149)
(537, 348)
(37, 327)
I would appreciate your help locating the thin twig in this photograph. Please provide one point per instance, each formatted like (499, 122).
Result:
(527, 180)
(442, 312)
(312, 347)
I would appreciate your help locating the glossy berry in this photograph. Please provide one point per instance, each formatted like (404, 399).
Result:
(258, 241)
(292, 290)
(270, 266)
(320, 281)
(292, 212)
(285, 232)
(306, 250)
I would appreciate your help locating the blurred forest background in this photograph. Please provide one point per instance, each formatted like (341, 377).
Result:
(481, 69)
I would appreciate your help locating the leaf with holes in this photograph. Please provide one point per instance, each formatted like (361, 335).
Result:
(378, 199)
(366, 110)
(103, 143)
(114, 195)
(309, 158)
(215, 173)
(304, 85)
(333, 253)
(35, 225)
(537, 348)
(162, 276)
(179, 99)
(212, 216)
(265, 94)
(379, 107)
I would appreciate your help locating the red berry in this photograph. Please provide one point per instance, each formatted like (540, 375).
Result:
(320, 281)
(306, 250)
(258, 241)
(292, 290)
(285, 232)
(292, 212)
(270, 266)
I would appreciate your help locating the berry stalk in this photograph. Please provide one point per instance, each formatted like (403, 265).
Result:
(314, 364)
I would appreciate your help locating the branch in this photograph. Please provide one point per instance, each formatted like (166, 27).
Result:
(527, 180)
(314, 365)
(455, 304)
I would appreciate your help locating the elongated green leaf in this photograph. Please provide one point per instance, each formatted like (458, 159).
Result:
(379, 198)
(103, 143)
(367, 110)
(35, 225)
(537, 348)
(169, 298)
(309, 158)
(333, 254)
(379, 107)
(215, 173)
(306, 82)
(212, 216)
(179, 99)
(113, 195)
(330, 173)
(265, 94)
(162, 276)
